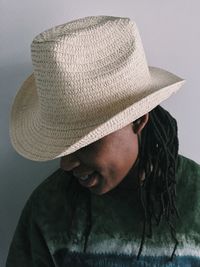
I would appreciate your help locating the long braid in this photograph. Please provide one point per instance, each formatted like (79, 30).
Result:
(160, 143)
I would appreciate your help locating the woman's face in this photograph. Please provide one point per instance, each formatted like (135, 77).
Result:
(112, 157)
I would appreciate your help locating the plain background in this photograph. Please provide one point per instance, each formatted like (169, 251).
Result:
(171, 37)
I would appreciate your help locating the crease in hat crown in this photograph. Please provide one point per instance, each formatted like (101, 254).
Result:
(80, 26)
(90, 79)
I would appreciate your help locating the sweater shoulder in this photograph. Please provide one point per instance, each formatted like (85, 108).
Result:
(57, 180)
(187, 174)
(52, 195)
(186, 164)
(188, 196)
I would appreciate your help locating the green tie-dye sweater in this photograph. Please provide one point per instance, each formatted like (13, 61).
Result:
(42, 237)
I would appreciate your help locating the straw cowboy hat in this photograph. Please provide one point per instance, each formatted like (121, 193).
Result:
(90, 79)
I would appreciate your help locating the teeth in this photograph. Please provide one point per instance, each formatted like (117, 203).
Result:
(84, 177)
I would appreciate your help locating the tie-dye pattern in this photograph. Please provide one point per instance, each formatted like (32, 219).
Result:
(42, 237)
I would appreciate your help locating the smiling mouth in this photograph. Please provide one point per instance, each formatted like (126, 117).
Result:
(84, 177)
(89, 180)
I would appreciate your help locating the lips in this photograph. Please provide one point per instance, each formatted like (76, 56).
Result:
(91, 181)
(79, 175)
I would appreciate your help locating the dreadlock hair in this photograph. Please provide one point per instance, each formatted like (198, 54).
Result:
(158, 152)
(158, 159)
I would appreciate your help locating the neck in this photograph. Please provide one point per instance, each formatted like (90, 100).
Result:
(130, 181)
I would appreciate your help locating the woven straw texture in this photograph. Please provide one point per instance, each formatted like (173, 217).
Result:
(90, 79)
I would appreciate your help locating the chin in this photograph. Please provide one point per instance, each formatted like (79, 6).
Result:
(96, 191)
(99, 191)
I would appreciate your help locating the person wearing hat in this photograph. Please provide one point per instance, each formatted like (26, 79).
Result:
(122, 196)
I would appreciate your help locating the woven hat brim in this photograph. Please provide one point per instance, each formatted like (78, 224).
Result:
(36, 141)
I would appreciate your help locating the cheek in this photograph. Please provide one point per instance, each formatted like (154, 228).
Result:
(112, 160)
(118, 167)
(108, 167)
(113, 175)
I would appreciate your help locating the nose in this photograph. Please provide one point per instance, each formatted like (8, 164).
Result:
(68, 164)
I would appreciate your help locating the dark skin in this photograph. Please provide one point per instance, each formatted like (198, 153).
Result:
(114, 157)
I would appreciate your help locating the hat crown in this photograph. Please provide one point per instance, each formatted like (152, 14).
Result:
(88, 64)
(81, 27)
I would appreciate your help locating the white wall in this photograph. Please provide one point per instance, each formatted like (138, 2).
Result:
(171, 36)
